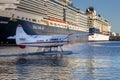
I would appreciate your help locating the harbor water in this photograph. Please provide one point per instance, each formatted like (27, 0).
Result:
(89, 61)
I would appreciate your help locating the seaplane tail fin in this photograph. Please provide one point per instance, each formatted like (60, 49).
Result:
(21, 36)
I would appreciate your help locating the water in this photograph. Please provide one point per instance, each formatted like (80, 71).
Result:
(89, 61)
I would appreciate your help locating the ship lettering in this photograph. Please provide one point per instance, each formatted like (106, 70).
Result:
(38, 27)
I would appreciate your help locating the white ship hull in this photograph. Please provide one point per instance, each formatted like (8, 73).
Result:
(98, 37)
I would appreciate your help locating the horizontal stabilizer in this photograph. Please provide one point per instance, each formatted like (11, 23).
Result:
(11, 37)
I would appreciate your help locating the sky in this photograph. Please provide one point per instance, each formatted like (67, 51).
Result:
(109, 9)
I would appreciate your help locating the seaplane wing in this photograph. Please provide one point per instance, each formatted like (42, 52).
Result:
(23, 39)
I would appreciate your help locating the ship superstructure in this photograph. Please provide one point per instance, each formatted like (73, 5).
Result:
(41, 17)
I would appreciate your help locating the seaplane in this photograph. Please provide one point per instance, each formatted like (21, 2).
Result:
(45, 41)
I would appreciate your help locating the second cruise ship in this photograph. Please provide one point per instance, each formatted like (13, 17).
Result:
(98, 26)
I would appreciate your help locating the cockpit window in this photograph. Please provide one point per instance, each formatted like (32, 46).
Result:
(55, 39)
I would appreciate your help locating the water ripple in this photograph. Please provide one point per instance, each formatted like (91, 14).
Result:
(89, 61)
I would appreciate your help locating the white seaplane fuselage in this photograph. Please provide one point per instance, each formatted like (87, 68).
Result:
(41, 41)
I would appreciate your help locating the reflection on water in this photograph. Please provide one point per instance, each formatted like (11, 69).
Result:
(40, 67)
(89, 61)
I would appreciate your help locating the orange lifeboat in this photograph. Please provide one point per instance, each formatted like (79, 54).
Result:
(57, 20)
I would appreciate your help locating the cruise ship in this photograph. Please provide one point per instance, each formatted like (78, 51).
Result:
(46, 17)
(98, 26)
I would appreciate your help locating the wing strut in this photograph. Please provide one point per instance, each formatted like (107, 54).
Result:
(50, 49)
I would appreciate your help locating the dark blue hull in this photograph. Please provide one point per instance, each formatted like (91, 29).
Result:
(8, 28)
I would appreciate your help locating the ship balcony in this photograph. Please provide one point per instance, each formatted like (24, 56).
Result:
(9, 1)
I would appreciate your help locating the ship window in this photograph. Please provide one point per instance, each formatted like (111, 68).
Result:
(51, 24)
(22, 17)
(29, 19)
(34, 20)
(55, 24)
(18, 17)
(26, 18)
